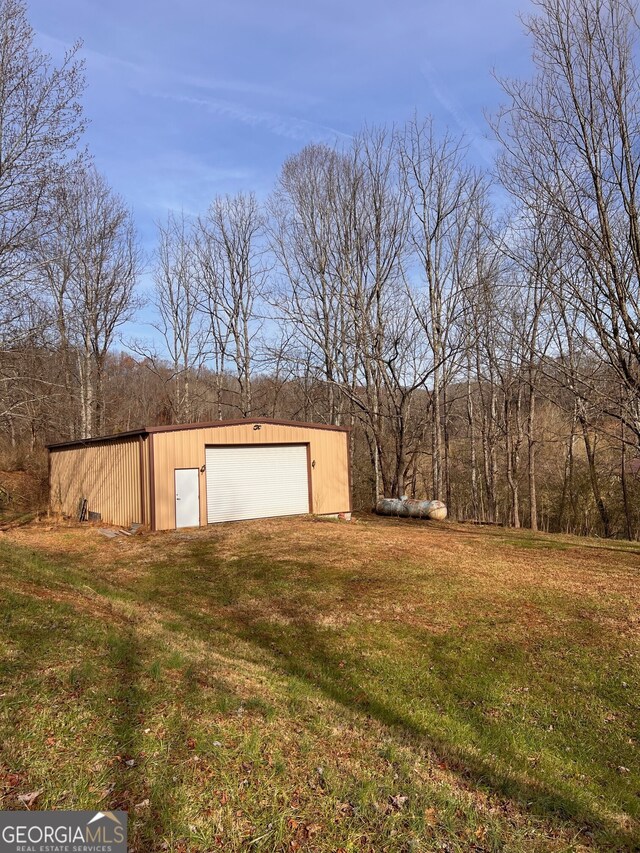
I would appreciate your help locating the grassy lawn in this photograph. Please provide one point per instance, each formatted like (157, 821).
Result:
(308, 685)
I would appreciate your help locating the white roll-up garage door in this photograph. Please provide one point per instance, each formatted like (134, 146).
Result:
(257, 481)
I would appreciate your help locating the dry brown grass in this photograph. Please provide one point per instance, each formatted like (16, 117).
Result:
(476, 671)
(484, 562)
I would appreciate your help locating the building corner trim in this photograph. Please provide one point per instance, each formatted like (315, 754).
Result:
(152, 483)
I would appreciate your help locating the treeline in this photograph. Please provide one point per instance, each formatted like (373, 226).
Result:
(478, 331)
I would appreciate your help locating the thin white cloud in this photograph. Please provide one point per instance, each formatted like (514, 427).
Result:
(298, 129)
(238, 86)
(150, 81)
(148, 74)
(461, 117)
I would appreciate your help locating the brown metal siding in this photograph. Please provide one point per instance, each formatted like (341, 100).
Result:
(108, 475)
(330, 490)
(146, 481)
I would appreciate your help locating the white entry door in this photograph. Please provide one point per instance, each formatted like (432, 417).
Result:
(187, 497)
(256, 481)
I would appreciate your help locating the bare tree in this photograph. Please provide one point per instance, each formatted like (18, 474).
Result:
(312, 229)
(177, 298)
(41, 122)
(578, 372)
(443, 193)
(340, 232)
(531, 248)
(391, 354)
(40, 125)
(571, 141)
(482, 324)
(231, 268)
(90, 262)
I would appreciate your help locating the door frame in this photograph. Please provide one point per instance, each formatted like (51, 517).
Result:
(306, 444)
(175, 514)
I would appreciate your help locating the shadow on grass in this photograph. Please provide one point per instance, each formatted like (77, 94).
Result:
(318, 663)
(314, 655)
(91, 687)
(129, 703)
(205, 595)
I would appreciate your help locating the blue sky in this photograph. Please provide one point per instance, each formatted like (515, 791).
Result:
(190, 98)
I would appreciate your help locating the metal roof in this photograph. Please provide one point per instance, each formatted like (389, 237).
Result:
(147, 430)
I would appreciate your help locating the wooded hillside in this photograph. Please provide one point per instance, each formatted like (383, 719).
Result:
(478, 329)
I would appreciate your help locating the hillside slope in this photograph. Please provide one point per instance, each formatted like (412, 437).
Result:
(298, 684)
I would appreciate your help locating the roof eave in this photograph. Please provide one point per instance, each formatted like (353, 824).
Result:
(148, 430)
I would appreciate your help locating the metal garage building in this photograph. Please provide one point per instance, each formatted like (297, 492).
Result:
(194, 474)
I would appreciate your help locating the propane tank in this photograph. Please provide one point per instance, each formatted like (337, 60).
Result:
(405, 507)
